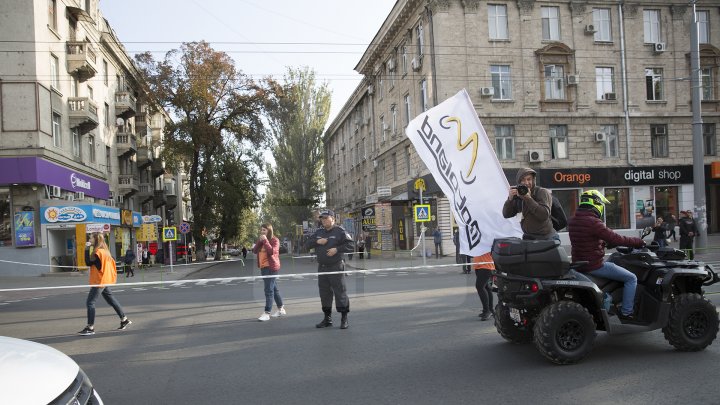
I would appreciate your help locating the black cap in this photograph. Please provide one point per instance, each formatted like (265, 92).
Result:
(327, 213)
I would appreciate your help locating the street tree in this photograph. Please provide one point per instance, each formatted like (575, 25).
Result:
(297, 121)
(212, 105)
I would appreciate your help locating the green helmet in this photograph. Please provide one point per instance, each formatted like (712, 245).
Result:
(594, 199)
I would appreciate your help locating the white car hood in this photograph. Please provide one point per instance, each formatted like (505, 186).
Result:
(33, 373)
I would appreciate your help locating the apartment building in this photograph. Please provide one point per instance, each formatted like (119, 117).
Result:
(79, 139)
(590, 94)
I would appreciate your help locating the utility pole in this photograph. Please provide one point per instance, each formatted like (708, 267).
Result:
(698, 153)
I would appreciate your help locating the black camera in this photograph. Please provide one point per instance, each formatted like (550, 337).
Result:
(522, 189)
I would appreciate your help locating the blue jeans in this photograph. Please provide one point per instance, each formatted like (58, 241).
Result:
(614, 272)
(271, 290)
(107, 294)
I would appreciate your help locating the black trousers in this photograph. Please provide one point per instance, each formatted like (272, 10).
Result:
(333, 285)
(686, 244)
(482, 285)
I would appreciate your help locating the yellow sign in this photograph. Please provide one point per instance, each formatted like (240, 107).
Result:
(147, 233)
(420, 184)
(421, 212)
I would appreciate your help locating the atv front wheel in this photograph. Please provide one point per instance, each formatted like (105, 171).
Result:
(508, 329)
(564, 332)
(693, 323)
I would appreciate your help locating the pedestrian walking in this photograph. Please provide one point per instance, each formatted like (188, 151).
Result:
(460, 258)
(484, 267)
(103, 273)
(361, 245)
(437, 239)
(129, 260)
(267, 249)
(330, 243)
(688, 231)
(671, 224)
(244, 252)
(368, 244)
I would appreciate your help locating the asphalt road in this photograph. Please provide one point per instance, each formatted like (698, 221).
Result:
(414, 338)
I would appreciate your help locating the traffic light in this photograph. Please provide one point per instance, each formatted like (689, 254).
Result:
(171, 216)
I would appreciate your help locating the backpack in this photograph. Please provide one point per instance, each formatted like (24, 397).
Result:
(557, 215)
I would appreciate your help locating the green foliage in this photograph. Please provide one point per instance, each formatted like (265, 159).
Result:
(297, 120)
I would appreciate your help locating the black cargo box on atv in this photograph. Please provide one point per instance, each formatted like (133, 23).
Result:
(530, 258)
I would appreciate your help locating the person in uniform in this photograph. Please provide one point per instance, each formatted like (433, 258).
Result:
(330, 243)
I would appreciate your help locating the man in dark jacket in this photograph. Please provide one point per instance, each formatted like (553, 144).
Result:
(534, 203)
(588, 237)
(688, 230)
(330, 243)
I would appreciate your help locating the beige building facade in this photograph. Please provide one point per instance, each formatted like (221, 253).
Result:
(79, 142)
(590, 94)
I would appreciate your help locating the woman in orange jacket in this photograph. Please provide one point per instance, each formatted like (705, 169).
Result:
(102, 273)
(484, 267)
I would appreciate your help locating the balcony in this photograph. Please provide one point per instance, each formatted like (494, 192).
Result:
(142, 118)
(172, 201)
(125, 143)
(127, 184)
(81, 60)
(125, 104)
(146, 192)
(144, 156)
(158, 168)
(159, 199)
(83, 114)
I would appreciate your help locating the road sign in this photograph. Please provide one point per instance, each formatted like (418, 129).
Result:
(422, 212)
(169, 233)
(184, 228)
(420, 184)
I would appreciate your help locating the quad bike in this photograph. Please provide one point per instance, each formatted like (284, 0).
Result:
(543, 299)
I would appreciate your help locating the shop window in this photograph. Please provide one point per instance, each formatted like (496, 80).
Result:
(617, 212)
(5, 224)
(568, 200)
(666, 201)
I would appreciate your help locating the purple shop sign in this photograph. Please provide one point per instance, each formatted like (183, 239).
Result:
(29, 170)
(25, 228)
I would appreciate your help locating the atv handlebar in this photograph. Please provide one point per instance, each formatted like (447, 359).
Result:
(712, 277)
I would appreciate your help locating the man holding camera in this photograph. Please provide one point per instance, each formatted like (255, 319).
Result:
(534, 203)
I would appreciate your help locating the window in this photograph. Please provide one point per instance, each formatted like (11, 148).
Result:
(73, 87)
(554, 82)
(91, 148)
(703, 18)
(611, 144)
(75, 142)
(420, 39)
(404, 57)
(383, 128)
(408, 109)
(54, 72)
(407, 161)
(709, 142)
(617, 212)
(558, 141)
(108, 166)
(91, 93)
(106, 112)
(569, 200)
(105, 72)
(57, 130)
(505, 142)
(392, 69)
(659, 140)
(604, 82)
(380, 89)
(603, 25)
(501, 82)
(393, 118)
(707, 84)
(651, 22)
(394, 166)
(423, 95)
(550, 23)
(654, 84)
(498, 21)
(52, 14)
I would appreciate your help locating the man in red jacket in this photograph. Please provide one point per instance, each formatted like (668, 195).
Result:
(588, 237)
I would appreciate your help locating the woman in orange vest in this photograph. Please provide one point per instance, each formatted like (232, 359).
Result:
(484, 266)
(102, 273)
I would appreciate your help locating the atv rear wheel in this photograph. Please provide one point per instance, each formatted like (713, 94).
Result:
(508, 329)
(564, 332)
(693, 323)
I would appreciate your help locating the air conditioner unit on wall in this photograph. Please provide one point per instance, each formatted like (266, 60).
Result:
(55, 191)
(600, 136)
(536, 155)
(70, 197)
(80, 195)
(572, 80)
(590, 29)
(610, 96)
(487, 91)
(659, 47)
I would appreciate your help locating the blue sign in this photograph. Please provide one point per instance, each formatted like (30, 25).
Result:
(169, 233)
(25, 228)
(87, 213)
(184, 228)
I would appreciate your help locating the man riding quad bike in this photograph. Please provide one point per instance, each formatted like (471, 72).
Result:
(543, 298)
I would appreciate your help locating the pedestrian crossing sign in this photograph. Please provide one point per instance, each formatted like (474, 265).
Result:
(169, 233)
(422, 213)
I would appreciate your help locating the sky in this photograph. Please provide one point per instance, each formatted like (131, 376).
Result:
(263, 36)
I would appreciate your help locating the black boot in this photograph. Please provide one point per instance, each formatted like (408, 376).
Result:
(344, 321)
(326, 322)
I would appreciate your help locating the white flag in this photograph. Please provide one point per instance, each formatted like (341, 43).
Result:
(453, 144)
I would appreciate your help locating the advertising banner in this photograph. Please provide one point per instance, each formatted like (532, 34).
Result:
(25, 228)
(452, 143)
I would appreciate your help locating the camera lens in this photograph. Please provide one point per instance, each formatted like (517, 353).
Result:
(522, 189)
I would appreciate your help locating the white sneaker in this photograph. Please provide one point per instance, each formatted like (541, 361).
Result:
(264, 317)
(280, 312)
